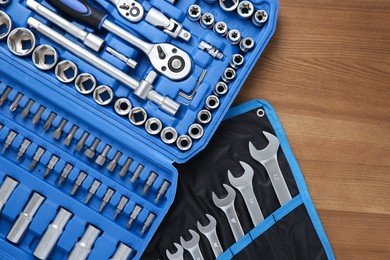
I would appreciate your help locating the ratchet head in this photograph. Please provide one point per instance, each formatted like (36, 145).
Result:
(170, 61)
(176, 256)
(130, 9)
(244, 179)
(194, 241)
(229, 199)
(268, 152)
(210, 227)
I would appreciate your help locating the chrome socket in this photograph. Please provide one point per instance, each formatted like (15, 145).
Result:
(233, 36)
(207, 20)
(229, 5)
(195, 131)
(228, 75)
(184, 142)
(212, 102)
(6, 23)
(153, 126)
(221, 28)
(169, 135)
(245, 9)
(259, 18)
(85, 83)
(204, 116)
(66, 71)
(45, 57)
(247, 44)
(21, 41)
(237, 61)
(220, 89)
(194, 13)
(103, 95)
(138, 116)
(123, 106)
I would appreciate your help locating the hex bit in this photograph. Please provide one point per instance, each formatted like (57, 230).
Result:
(15, 104)
(134, 215)
(92, 190)
(37, 157)
(114, 162)
(149, 182)
(49, 121)
(8, 141)
(65, 173)
(50, 166)
(137, 173)
(23, 148)
(38, 115)
(79, 181)
(71, 135)
(5, 95)
(161, 192)
(27, 108)
(126, 167)
(91, 151)
(106, 198)
(102, 158)
(148, 223)
(58, 132)
(82, 141)
(121, 205)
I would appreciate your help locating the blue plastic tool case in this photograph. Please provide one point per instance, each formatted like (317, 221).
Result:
(25, 82)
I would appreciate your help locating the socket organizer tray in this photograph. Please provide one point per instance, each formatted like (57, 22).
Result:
(97, 101)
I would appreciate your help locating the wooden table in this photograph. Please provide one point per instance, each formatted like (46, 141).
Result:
(327, 73)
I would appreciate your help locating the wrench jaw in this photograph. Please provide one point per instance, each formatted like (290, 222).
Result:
(268, 152)
(176, 256)
(205, 230)
(227, 201)
(244, 179)
(188, 245)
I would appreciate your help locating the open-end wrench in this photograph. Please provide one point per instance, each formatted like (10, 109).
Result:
(192, 245)
(129, 9)
(227, 205)
(166, 58)
(210, 232)
(268, 157)
(178, 255)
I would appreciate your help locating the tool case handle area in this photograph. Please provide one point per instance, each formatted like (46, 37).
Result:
(291, 231)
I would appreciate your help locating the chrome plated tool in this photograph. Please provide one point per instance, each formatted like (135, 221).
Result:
(192, 245)
(210, 232)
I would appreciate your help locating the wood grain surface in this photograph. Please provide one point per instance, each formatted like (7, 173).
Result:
(327, 73)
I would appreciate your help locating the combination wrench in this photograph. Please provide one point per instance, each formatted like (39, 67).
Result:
(245, 186)
(166, 58)
(227, 205)
(268, 157)
(192, 245)
(210, 232)
(176, 256)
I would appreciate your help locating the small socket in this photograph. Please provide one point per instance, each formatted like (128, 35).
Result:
(66, 71)
(123, 106)
(233, 36)
(237, 61)
(212, 102)
(207, 20)
(153, 126)
(169, 135)
(21, 41)
(204, 116)
(45, 57)
(221, 88)
(5, 24)
(247, 44)
(245, 9)
(228, 75)
(259, 18)
(103, 95)
(229, 5)
(184, 142)
(138, 116)
(194, 13)
(85, 83)
(221, 28)
(195, 131)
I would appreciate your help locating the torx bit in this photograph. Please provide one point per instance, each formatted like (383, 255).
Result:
(6, 189)
(71, 135)
(58, 132)
(137, 173)
(134, 215)
(8, 141)
(24, 219)
(122, 252)
(148, 223)
(121, 205)
(65, 173)
(82, 141)
(16, 102)
(38, 115)
(49, 121)
(37, 157)
(27, 108)
(161, 192)
(102, 158)
(23, 148)
(92, 190)
(50, 166)
(107, 197)
(114, 162)
(91, 151)
(5, 95)
(83, 247)
(80, 179)
(126, 167)
(149, 182)
(52, 234)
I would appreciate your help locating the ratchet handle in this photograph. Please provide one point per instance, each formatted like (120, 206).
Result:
(82, 11)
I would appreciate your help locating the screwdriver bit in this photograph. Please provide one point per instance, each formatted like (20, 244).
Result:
(107, 197)
(6, 189)
(92, 190)
(71, 135)
(149, 182)
(37, 157)
(65, 173)
(37, 117)
(114, 162)
(91, 151)
(26, 109)
(58, 132)
(82, 141)
(49, 121)
(137, 173)
(121, 205)
(161, 192)
(5, 95)
(148, 223)
(126, 167)
(101, 159)
(50, 166)
(134, 215)
(23, 148)
(8, 141)
(16, 102)
(80, 179)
